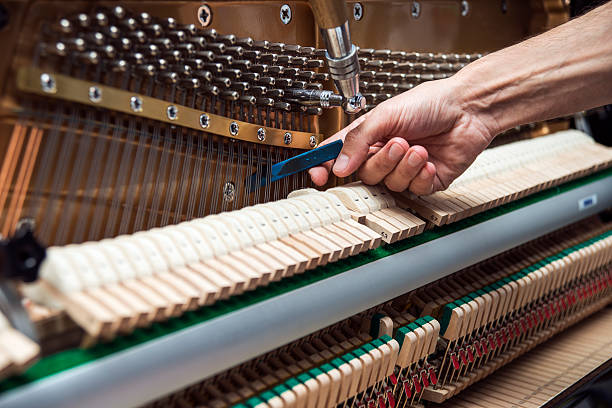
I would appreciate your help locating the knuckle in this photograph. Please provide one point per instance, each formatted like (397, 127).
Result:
(395, 185)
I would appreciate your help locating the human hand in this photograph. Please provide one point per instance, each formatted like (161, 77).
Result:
(420, 140)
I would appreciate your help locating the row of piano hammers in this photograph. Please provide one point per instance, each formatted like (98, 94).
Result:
(390, 357)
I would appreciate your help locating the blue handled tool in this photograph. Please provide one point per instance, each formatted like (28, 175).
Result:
(297, 164)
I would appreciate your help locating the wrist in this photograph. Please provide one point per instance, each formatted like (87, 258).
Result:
(471, 97)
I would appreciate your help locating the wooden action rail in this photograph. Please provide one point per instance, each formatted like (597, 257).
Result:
(347, 375)
(17, 352)
(538, 377)
(509, 172)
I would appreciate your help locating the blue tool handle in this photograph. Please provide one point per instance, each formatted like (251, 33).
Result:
(307, 160)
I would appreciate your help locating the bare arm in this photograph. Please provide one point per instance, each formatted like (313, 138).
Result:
(425, 138)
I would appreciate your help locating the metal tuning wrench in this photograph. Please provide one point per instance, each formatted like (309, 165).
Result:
(332, 18)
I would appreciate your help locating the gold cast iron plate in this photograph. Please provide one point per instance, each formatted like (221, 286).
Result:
(76, 90)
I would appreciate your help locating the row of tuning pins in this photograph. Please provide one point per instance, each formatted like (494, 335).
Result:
(233, 69)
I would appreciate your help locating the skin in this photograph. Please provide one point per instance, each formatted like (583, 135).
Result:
(425, 138)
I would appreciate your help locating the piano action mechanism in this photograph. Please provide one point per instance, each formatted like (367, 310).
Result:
(131, 136)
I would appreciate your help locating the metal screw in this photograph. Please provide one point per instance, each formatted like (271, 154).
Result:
(204, 120)
(47, 82)
(261, 134)
(233, 128)
(172, 112)
(229, 192)
(288, 138)
(312, 141)
(285, 14)
(136, 103)
(465, 8)
(357, 11)
(504, 7)
(416, 9)
(95, 94)
(204, 15)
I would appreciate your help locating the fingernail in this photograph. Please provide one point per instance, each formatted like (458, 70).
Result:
(414, 159)
(395, 152)
(341, 162)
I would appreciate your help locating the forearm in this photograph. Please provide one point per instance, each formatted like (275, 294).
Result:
(564, 70)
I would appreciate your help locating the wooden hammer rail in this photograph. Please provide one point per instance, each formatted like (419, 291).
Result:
(116, 285)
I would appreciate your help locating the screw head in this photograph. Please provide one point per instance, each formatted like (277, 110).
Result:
(95, 94)
(416, 9)
(261, 134)
(48, 84)
(357, 11)
(172, 112)
(204, 121)
(285, 14)
(229, 192)
(312, 141)
(233, 128)
(465, 8)
(287, 138)
(204, 15)
(136, 103)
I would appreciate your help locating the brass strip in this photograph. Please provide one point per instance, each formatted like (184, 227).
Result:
(76, 90)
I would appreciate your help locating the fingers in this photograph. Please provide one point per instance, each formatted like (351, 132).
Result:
(358, 140)
(320, 174)
(423, 183)
(383, 160)
(406, 169)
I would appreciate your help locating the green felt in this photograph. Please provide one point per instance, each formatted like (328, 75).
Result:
(68, 359)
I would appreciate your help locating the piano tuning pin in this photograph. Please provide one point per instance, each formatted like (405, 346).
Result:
(101, 19)
(275, 70)
(269, 58)
(293, 48)
(250, 76)
(232, 73)
(229, 95)
(240, 86)
(274, 93)
(284, 106)
(75, 44)
(203, 75)
(222, 81)
(224, 59)
(144, 18)
(129, 23)
(177, 36)
(314, 110)
(162, 64)
(183, 70)
(111, 31)
(198, 40)
(96, 38)
(125, 44)
(169, 23)
(265, 102)
(150, 50)
(89, 57)
(190, 83)
(117, 65)
(187, 48)
(299, 84)
(136, 58)
(59, 49)
(208, 56)
(213, 67)
(267, 81)
(284, 82)
(252, 54)
(108, 51)
(261, 44)
(258, 90)
(168, 77)
(245, 42)
(217, 47)
(210, 33)
(229, 39)
(314, 86)
(145, 69)
(172, 55)
(211, 89)
(118, 12)
(154, 30)
(82, 20)
(236, 51)
(162, 43)
(307, 50)
(138, 36)
(276, 47)
(63, 26)
(248, 99)
(190, 29)
(244, 65)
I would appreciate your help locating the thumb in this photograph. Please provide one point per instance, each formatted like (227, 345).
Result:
(358, 140)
